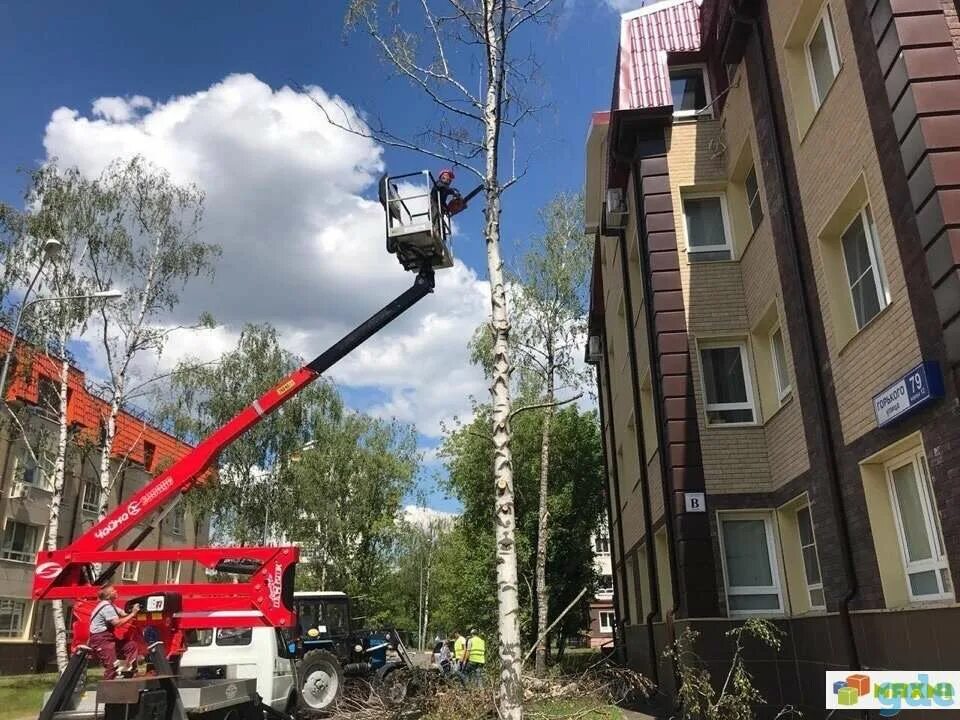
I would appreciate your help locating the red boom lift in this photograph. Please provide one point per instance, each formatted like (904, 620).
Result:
(266, 598)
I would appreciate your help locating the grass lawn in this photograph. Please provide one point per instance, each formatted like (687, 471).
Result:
(582, 709)
(22, 695)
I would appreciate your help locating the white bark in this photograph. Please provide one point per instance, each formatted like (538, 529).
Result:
(56, 500)
(511, 689)
(118, 376)
(543, 517)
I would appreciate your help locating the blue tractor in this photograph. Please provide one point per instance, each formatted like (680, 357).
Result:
(331, 653)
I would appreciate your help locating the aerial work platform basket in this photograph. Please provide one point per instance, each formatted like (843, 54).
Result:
(418, 227)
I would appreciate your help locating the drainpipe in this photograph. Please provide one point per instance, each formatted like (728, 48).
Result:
(833, 465)
(641, 452)
(618, 589)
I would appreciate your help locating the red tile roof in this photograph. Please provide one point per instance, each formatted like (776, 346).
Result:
(646, 36)
(88, 410)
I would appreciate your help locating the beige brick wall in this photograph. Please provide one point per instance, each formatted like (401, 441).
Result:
(833, 153)
(734, 459)
(785, 438)
(953, 22)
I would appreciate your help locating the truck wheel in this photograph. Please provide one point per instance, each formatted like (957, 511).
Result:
(321, 681)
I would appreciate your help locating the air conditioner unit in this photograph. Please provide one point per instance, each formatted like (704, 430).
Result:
(594, 349)
(616, 209)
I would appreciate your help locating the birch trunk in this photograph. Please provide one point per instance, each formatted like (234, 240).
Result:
(542, 526)
(508, 620)
(56, 500)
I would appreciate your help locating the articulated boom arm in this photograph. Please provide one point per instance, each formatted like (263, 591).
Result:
(65, 573)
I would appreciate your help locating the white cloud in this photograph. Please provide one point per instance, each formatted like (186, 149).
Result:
(302, 248)
(423, 517)
(623, 6)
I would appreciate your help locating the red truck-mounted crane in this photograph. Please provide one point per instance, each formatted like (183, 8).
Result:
(419, 238)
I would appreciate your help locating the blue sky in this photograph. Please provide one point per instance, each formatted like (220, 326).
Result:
(65, 54)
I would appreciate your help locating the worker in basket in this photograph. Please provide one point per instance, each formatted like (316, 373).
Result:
(451, 201)
(110, 632)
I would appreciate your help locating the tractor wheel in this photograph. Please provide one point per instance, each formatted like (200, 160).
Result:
(321, 682)
(393, 685)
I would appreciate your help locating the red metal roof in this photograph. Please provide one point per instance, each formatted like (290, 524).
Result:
(86, 411)
(646, 36)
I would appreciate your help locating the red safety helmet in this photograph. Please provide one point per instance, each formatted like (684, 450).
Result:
(446, 171)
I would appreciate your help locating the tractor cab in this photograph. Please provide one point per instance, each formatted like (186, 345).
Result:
(323, 618)
(417, 224)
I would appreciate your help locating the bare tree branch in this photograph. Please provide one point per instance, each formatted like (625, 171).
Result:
(538, 406)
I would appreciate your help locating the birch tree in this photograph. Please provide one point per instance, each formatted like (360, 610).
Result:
(453, 47)
(549, 329)
(56, 207)
(142, 231)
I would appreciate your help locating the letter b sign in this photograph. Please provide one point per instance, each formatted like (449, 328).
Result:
(695, 502)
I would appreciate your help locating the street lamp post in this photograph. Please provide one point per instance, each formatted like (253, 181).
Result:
(100, 295)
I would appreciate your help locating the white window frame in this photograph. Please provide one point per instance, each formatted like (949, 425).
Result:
(750, 404)
(938, 559)
(772, 553)
(811, 587)
(29, 556)
(781, 376)
(173, 578)
(865, 217)
(596, 543)
(706, 110)
(608, 627)
(728, 244)
(84, 504)
(130, 577)
(826, 17)
(24, 618)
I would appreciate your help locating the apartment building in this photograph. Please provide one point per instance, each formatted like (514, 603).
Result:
(775, 321)
(602, 617)
(142, 449)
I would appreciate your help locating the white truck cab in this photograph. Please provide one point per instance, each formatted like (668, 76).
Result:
(242, 654)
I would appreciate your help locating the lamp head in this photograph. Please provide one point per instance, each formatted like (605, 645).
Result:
(51, 246)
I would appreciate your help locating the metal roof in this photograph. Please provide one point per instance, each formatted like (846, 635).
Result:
(646, 36)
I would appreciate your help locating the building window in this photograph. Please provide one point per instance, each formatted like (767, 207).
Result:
(606, 621)
(173, 572)
(823, 61)
(91, 495)
(752, 188)
(707, 227)
(861, 259)
(149, 451)
(12, 614)
(811, 562)
(726, 384)
(605, 585)
(918, 528)
(20, 541)
(601, 545)
(177, 520)
(778, 356)
(690, 91)
(750, 572)
(131, 571)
